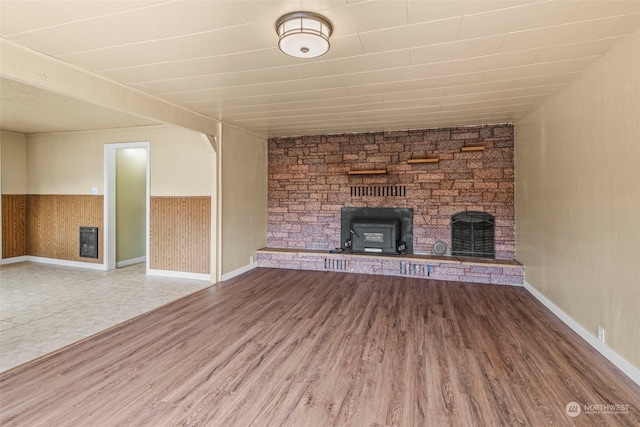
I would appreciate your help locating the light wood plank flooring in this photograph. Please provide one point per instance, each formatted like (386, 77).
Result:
(293, 348)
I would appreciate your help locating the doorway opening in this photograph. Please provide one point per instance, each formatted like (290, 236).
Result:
(127, 201)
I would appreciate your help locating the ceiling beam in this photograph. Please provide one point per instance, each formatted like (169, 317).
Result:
(36, 69)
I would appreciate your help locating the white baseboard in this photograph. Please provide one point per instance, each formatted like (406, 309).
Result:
(78, 264)
(63, 262)
(13, 260)
(179, 274)
(131, 261)
(627, 368)
(239, 271)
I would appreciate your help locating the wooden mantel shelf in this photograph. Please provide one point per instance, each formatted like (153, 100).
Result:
(368, 172)
(473, 148)
(426, 160)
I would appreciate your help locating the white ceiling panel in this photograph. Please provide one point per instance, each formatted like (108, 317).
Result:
(479, 105)
(348, 19)
(240, 91)
(492, 62)
(393, 64)
(269, 100)
(360, 89)
(371, 62)
(434, 93)
(117, 57)
(161, 21)
(423, 11)
(232, 63)
(414, 72)
(19, 17)
(559, 34)
(341, 47)
(342, 81)
(150, 53)
(241, 78)
(257, 10)
(83, 9)
(302, 104)
(413, 35)
(446, 81)
(576, 50)
(247, 37)
(487, 99)
(626, 25)
(456, 50)
(596, 9)
(520, 18)
(502, 85)
(51, 40)
(543, 69)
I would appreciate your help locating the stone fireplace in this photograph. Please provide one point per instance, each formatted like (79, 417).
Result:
(310, 182)
(435, 174)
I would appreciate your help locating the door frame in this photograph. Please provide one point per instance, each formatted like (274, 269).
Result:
(1, 193)
(109, 234)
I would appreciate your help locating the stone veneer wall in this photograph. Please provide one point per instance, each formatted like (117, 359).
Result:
(309, 183)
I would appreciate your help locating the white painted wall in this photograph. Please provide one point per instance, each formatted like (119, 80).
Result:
(72, 162)
(578, 198)
(244, 197)
(14, 162)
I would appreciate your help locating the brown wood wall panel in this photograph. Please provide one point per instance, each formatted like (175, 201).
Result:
(180, 234)
(14, 227)
(54, 221)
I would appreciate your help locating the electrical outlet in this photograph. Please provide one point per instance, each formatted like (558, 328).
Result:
(250, 260)
(600, 333)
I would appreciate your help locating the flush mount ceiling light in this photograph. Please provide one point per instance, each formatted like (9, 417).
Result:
(303, 34)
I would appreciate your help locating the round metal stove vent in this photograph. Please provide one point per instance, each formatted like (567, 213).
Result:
(439, 247)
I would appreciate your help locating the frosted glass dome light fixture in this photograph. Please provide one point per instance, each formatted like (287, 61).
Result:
(303, 34)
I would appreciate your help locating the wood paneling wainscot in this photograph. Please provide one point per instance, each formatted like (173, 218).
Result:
(180, 234)
(54, 221)
(14, 227)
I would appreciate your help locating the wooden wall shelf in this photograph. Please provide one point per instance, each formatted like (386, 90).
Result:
(368, 172)
(473, 148)
(427, 160)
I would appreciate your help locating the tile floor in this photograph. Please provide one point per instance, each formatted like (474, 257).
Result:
(45, 307)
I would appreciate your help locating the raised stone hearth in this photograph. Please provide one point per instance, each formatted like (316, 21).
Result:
(475, 270)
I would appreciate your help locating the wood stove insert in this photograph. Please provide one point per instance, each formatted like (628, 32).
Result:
(386, 231)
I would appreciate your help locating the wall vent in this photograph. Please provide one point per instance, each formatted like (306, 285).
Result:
(89, 242)
(378, 191)
(414, 270)
(334, 264)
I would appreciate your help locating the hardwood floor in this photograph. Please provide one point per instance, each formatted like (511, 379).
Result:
(284, 347)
